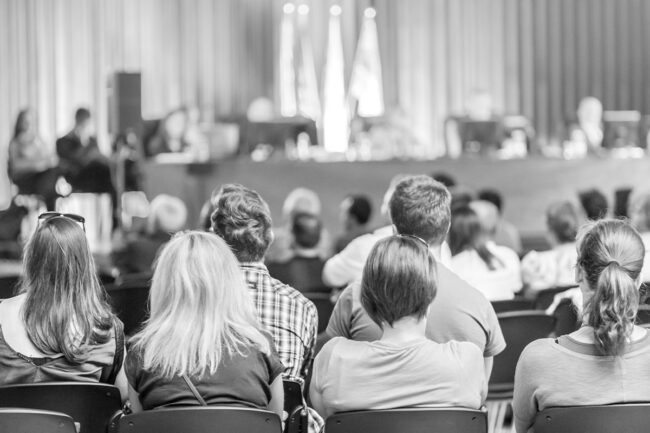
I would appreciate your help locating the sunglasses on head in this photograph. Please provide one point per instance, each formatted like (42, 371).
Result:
(74, 217)
(417, 238)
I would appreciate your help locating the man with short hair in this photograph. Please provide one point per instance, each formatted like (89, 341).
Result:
(420, 207)
(356, 211)
(243, 219)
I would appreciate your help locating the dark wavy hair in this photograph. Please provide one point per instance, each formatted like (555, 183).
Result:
(399, 280)
(243, 219)
(610, 254)
(562, 220)
(65, 309)
(467, 233)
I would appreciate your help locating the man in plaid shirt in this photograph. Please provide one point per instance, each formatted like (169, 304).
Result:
(243, 219)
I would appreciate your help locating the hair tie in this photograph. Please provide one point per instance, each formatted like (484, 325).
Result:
(613, 262)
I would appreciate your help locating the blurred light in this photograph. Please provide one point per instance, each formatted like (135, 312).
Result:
(370, 13)
(335, 10)
(303, 9)
(288, 8)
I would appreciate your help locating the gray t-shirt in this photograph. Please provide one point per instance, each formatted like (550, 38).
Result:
(458, 312)
(566, 372)
(360, 375)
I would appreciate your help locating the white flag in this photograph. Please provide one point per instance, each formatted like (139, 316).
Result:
(287, 85)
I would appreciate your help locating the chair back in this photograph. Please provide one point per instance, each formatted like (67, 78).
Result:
(566, 318)
(517, 304)
(201, 420)
(544, 298)
(643, 315)
(324, 306)
(519, 328)
(294, 406)
(8, 286)
(35, 421)
(92, 405)
(130, 300)
(619, 418)
(429, 420)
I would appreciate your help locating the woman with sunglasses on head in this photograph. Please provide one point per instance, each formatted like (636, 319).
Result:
(202, 344)
(606, 360)
(403, 368)
(60, 327)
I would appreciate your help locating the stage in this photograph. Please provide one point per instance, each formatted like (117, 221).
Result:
(528, 185)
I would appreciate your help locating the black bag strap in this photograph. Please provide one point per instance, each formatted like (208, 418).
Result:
(195, 391)
(109, 373)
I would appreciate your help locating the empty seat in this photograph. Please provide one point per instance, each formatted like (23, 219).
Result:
(433, 420)
(92, 405)
(201, 420)
(294, 405)
(619, 418)
(35, 421)
(129, 298)
(544, 298)
(517, 304)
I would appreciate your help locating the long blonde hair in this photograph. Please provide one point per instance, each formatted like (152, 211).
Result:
(200, 308)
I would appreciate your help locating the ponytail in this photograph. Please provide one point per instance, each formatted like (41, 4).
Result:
(612, 309)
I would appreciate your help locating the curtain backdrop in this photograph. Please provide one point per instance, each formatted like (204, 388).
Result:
(535, 57)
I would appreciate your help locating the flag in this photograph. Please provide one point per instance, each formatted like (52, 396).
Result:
(287, 84)
(366, 86)
(308, 97)
(335, 111)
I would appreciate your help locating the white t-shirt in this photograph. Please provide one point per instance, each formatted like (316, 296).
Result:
(552, 268)
(496, 284)
(360, 375)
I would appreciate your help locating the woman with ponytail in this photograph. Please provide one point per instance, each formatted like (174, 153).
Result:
(606, 360)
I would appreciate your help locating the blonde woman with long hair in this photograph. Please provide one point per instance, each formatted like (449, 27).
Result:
(202, 344)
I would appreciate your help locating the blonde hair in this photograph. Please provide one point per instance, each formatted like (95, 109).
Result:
(610, 253)
(201, 309)
(167, 214)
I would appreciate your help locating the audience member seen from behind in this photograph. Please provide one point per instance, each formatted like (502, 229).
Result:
(605, 361)
(304, 270)
(594, 203)
(403, 368)
(356, 211)
(167, 215)
(32, 166)
(420, 206)
(60, 327)
(639, 212)
(300, 200)
(555, 267)
(220, 348)
(505, 233)
(493, 269)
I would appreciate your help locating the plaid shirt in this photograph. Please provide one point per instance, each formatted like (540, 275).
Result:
(291, 319)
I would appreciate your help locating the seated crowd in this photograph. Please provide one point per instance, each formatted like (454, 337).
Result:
(413, 324)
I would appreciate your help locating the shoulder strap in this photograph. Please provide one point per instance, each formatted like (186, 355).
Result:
(195, 391)
(109, 373)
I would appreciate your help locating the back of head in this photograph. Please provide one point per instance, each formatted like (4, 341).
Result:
(243, 219)
(610, 257)
(301, 200)
(594, 204)
(168, 214)
(468, 234)
(359, 208)
(399, 280)
(385, 203)
(445, 179)
(562, 219)
(197, 282)
(65, 308)
(488, 215)
(493, 196)
(639, 211)
(306, 229)
(82, 115)
(420, 206)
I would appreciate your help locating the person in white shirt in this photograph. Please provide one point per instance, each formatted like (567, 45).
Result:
(493, 269)
(639, 213)
(555, 267)
(347, 266)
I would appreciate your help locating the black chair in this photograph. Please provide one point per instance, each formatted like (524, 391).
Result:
(517, 304)
(8, 286)
(438, 420)
(643, 315)
(294, 405)
(619, 418)
(130, 300)
(92, 405)
(201, 420)
(566, 318)
(324, 306)
(35, 421)
(544, 298)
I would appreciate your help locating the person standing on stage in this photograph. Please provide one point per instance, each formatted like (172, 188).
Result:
(31, 166)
